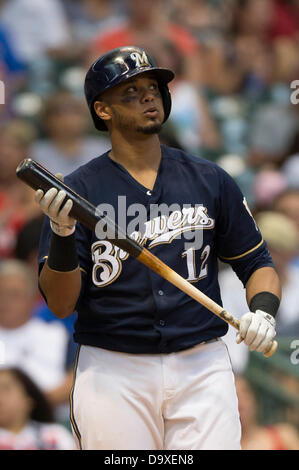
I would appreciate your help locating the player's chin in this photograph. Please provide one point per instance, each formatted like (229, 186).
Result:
(152, 126)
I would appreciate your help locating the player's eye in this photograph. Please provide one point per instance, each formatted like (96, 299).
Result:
(131, 89)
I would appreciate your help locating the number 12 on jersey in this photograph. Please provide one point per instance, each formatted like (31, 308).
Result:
(192, 268)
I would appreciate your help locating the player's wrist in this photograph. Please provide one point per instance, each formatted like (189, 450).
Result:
(266, 302)
(62, 230)
(63, 255)
(266, 316)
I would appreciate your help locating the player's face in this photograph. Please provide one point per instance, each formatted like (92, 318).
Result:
(136, 105)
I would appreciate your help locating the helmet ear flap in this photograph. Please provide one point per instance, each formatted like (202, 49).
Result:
(166, 98)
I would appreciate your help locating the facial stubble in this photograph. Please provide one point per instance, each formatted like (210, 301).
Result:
(129, 125)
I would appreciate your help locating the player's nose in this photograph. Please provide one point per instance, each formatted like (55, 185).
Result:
(148, 96)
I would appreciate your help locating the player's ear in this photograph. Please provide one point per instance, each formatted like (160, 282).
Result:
(103, 110)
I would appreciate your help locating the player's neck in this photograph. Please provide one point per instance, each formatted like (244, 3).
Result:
(138, 155)
(141, 158)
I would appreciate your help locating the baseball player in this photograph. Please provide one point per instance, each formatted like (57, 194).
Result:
(152, 371)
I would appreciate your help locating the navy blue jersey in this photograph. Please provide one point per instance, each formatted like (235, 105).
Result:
(123, 305)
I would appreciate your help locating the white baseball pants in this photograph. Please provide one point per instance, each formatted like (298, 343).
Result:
(179, 401)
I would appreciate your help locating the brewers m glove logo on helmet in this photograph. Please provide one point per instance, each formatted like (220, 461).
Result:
(141, 60)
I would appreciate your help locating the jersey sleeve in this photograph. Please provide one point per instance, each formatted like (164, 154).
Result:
(238, 241)
(82, 234)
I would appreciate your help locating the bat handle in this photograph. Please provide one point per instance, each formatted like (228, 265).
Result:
(271, 349)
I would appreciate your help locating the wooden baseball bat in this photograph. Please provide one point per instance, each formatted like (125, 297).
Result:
(37, 177)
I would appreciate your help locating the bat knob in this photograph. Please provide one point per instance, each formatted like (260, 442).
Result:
(271, 349)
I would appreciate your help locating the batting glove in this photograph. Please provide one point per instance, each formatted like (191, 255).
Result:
(257, 330)
(50, 203)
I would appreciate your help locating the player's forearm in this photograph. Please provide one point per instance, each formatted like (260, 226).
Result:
(60, 278)
(263, 280)
(61, 289)
(257, 327)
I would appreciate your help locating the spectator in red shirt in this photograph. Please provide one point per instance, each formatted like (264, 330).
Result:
(285, 19)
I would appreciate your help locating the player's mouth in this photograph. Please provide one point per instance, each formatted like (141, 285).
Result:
(151, 112)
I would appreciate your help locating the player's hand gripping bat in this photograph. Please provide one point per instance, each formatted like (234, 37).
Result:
(36, 176)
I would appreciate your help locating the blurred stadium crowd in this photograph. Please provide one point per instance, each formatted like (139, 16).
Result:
(234, 102)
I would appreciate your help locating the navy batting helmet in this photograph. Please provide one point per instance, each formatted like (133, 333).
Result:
(118, 65)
